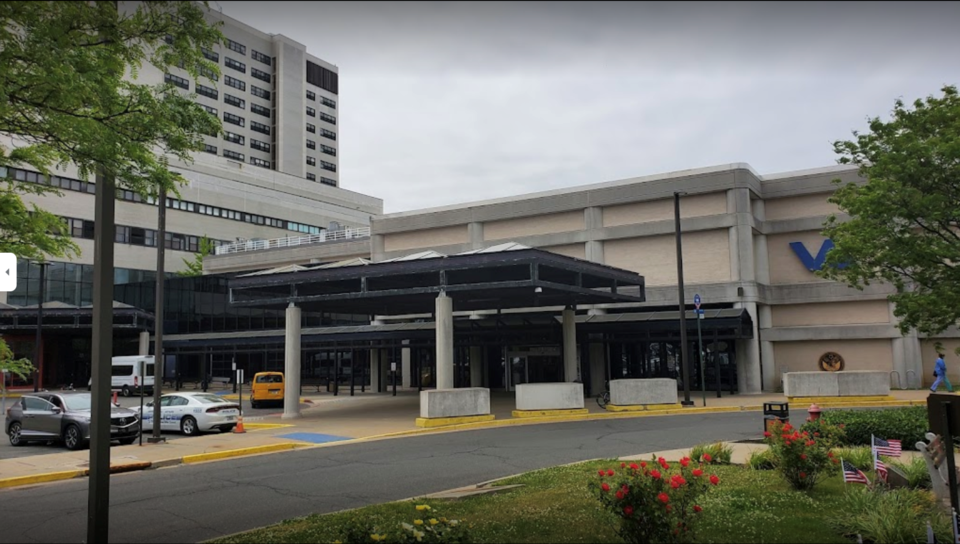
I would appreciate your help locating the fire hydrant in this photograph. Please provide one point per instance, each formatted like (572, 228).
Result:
(814, 412)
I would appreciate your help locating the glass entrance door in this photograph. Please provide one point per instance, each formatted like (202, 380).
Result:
(516, 371)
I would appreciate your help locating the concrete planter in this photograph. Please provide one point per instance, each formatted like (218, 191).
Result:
(454, 406)
(550, 396)
(641, 392)
(847, 383)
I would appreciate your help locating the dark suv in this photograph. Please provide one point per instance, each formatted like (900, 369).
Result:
(45, 417)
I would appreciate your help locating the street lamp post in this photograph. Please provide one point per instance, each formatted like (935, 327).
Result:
(684, 349)
(37, 349)
(158, 357)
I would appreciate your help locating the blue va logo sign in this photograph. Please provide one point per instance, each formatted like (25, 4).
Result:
(813, 263)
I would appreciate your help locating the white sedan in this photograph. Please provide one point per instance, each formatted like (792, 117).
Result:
(193, 413)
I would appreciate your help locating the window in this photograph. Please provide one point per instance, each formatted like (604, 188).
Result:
(311, 144)
(328, 103)
(311, 95)
(260, 162)
(311, 161)
(235, 64)
(257, 91)
(210, 148)
(209, 73)
(328, 118)
(209, 92)
(260, 127)
(328, 150)
(311, 128)
(211, 55)
(235, 83)
(210, 109)
(175, 241)
(321, 77)
(311, 112)
(328, 166)
(123, 235)
(260, 110)
(258, 56)
(261, 75)
(81, 228)
(328, 181)
(233, 155)
(233, 119)
(260, 146)
(328, 134)
(234, 101)
(311, 176)
(177, 81)
(233, 138)
(236, 46)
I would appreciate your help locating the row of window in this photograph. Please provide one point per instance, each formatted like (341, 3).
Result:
(260, 74)
(312, 129)
(84, 228)
(326, 181)
(258, 56)
(70, 184)
(235, 64)
(312, 161)
(323, 100)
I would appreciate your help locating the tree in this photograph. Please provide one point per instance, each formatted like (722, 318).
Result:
(195, 265)
(904, 222)
(70, 95)
(18, 367)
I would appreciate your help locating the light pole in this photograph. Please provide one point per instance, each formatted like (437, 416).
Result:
(158, 358)
(684, 359)
(37, 346)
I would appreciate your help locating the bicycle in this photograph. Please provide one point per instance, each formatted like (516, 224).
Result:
(603, 399)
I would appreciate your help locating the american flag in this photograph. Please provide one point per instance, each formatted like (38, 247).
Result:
(853, 475)
(879, 467)
(890, 448)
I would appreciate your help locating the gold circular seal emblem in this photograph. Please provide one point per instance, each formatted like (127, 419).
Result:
(831, 362)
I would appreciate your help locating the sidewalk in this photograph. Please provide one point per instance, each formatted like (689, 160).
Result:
(331, 420)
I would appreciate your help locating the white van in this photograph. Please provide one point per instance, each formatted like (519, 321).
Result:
(125, 374)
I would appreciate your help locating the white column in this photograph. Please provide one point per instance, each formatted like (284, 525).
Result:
(444, 328)
(748, 354)
(598, 368)
(375, 381)
(406, 372)
(144, 343)
(291, 356)
(476, 366)
(771, 378)
(569, 345)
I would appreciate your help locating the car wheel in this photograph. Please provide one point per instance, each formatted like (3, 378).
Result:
(127, 441)
(16, 439)
(72, 438)
(125, 391)
(188, 426)
(228, 428)
(254, 404)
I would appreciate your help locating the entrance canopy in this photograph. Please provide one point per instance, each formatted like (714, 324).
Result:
(500, 277)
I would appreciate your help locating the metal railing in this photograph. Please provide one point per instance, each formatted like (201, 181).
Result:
(293, 241)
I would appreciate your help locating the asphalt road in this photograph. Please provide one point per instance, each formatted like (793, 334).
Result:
(196, 502)
(42, 448)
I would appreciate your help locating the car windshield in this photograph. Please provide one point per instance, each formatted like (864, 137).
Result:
(209, 399)
(77, 402)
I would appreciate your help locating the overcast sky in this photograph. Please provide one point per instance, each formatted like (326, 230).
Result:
(442, 103)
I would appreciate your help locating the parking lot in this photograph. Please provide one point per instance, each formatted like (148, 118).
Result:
(39, 448)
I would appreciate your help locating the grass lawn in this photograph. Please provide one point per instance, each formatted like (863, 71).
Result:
(555, 505)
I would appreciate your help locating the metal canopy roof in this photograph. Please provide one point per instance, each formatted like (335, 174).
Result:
(60, 315)
(501, 277)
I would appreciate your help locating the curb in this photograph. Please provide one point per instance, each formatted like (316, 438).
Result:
(241, 452)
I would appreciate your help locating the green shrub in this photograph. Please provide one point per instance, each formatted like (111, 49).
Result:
(858, 456)
(720, 453)
(897, 516)
(916, 472)
(830, 435)
(761, 460)
(798, 456)
(905, 424)
(427, 526)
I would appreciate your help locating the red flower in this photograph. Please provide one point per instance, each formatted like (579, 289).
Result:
(810, 443)
(623, 465)
(609, 472)
(628, 510)
(662, 461)
(714, 480)
(803, 457)
(669, 508)
(605, 487)
(620, 495)
(707, 457)
(655, 474)
(836, 461)
(697, 509)
(664, 498)
(685, 462)
(601, 473)
(786, 442)
(633, 466)
(829, 454)
(841, 425)
(816, 434)
(643, 464)
(803, 475)
(675, 484)
(766, 434)
(697, 472)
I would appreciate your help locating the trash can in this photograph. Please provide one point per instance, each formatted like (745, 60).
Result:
(329, 386)
(775, 411)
